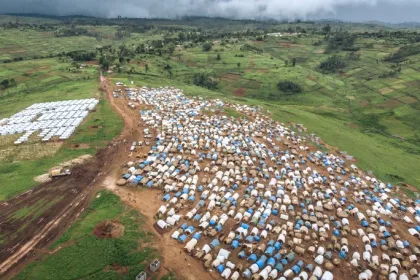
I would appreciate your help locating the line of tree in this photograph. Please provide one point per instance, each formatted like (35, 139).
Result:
(71, 31)
(81, 55)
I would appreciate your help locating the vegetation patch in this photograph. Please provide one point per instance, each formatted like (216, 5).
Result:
(205, 80)
(81, 254)
(332, 64)
(289, 87)
(404, 52)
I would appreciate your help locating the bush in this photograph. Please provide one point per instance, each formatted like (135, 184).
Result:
(403, 53)
(332, 64)
(205, 80)
(207, 47)
(289, 87)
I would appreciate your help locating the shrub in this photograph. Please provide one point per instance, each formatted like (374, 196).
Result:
(205, 80)
(207, 47)
(289, 87)
(332, 64)
(403, 53)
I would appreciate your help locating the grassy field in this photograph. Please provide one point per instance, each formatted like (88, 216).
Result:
(29, 44)
(21, 164)
(79, 254)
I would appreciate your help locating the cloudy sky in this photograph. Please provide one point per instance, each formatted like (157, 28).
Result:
(349, 10)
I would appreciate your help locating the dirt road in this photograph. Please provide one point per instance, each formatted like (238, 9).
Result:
(173, 258)
(71, 196)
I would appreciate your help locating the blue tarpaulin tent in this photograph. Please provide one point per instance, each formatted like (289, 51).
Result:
(182, 238)
(215, 243)
(252, 258)
(261, 261)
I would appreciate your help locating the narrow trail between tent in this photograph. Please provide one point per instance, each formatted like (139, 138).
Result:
(29, 237)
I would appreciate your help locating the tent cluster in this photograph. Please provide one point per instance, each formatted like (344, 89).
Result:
(250, 198)
(52, 118)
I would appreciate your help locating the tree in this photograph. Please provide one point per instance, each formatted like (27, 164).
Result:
(121, 59)
(286, 63)
(218, 57)
(146, 67)
(207, 47)
(326, 29)
(171, 49)
(294, 61)
(104, 62)
(238, 65)
(118, 67)
(168, 68)
(181, 36)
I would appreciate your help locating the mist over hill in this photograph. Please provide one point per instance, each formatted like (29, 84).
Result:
(348, 10)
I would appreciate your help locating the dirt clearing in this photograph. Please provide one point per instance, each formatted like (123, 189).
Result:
(230, 77)
(239, 92)
(385, 90)
(109, 229)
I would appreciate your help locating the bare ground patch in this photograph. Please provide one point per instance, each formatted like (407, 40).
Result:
(385, 90)
(408, 99)
(12, 50)
(265, 70)
(288, 45)
(364, 103)
(29, 151)
(390, 103)
(353, 125)
(92, 62)
(80, 146)
(239, 92)
(109, 229)
(37, 69)
(230, 77)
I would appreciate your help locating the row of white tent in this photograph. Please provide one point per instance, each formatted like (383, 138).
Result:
(52, 119)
